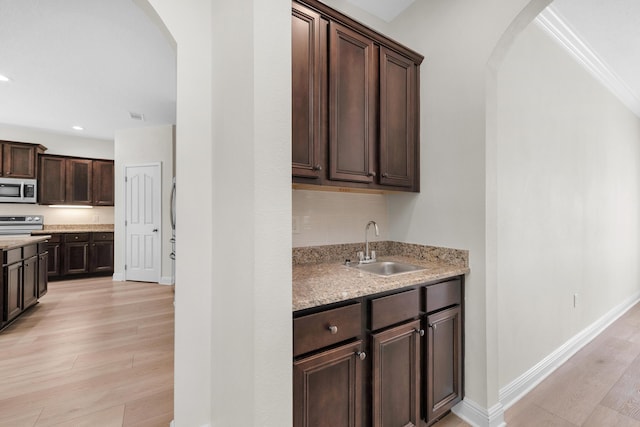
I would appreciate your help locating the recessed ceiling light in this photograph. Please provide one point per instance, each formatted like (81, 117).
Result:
(77, 128)
(4, 78)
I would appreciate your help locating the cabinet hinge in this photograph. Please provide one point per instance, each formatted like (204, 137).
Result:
(126, 179)
(125, 266)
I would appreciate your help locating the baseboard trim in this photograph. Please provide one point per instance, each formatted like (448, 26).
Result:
(166, 280)
(478, 416)
(522, 385)
(118, 277)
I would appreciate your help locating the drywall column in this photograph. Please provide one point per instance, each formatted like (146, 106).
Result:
(233, 271)
(189, 23)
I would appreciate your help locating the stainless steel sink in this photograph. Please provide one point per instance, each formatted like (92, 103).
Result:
(387, 268)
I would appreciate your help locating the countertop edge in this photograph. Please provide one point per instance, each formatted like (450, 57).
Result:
(12, 242)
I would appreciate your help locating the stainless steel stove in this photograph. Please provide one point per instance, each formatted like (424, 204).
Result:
(20, 224)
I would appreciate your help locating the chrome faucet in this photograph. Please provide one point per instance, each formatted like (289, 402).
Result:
(367, 258)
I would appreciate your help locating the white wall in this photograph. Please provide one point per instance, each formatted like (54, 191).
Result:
(233, 271)
(457, 40)
(134, 147)
(568, 201)
(59, 143)
(327, 218)
(67, 145)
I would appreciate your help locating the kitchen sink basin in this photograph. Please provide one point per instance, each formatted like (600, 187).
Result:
(387, 268)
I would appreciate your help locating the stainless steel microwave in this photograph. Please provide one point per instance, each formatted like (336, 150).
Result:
(16, 190)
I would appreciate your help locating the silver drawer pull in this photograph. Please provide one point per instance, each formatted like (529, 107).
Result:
(362, 355)
(333, 329)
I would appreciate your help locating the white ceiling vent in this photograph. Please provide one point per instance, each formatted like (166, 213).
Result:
(136, 116)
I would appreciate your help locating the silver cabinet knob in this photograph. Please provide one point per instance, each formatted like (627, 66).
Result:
(317, 168)
(333, 329)
(362, 355)
(420, 332)
(373, 174)
(385, 175)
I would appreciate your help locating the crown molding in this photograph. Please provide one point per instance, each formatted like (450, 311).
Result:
(552, 22)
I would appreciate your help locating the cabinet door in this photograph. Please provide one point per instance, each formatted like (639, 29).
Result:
(79, 181)
(103, 183)
(14, 290)
(308, 79)
(43, 279)
(54, 259)
(444, 362)
(30, 282)
(327, 388)
(51, 183)
(397, 119)
(396, 376)
(19, 160)
(101, 256)
(76, 258)
(352, 105)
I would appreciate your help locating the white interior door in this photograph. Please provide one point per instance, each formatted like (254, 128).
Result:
(143, 221)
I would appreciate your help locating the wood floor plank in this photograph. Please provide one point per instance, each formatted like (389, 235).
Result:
(90, 352)
(606, 417)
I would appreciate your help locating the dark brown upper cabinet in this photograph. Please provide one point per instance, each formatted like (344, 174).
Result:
(51, 185)
(75, 181)
(355, 103)
(103, 182)
(18, 160)
(308, 79)
(79, 182)
(352, 101)
(398, 149)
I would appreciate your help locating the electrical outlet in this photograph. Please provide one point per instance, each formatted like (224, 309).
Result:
(96, 219)
(296, 225)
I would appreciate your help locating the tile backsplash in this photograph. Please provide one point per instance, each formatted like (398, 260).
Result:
(326, 217)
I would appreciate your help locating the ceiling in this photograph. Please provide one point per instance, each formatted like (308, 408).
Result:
(88, 63)
(95, 63)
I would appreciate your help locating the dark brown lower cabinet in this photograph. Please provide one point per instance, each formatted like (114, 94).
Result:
(414, 373)
(396, 376)
(444, 362)
(43, 265)
(13, 278)
(76, 255)
(101, 253)
(21, 280)
(30, 281)
(327, 388)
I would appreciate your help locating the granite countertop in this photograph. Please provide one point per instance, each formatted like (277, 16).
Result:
(74, 228)
(10, 242)
(316, 284)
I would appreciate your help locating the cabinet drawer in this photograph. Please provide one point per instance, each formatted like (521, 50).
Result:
(55, 238)
(101, 237)
(29, 251)
(76, 237)
(442, 295)
(392, 309)
(328, 327)
(11, 256)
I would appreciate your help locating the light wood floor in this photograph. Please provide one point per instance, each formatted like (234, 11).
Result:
(92, 353)
(598, 387)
